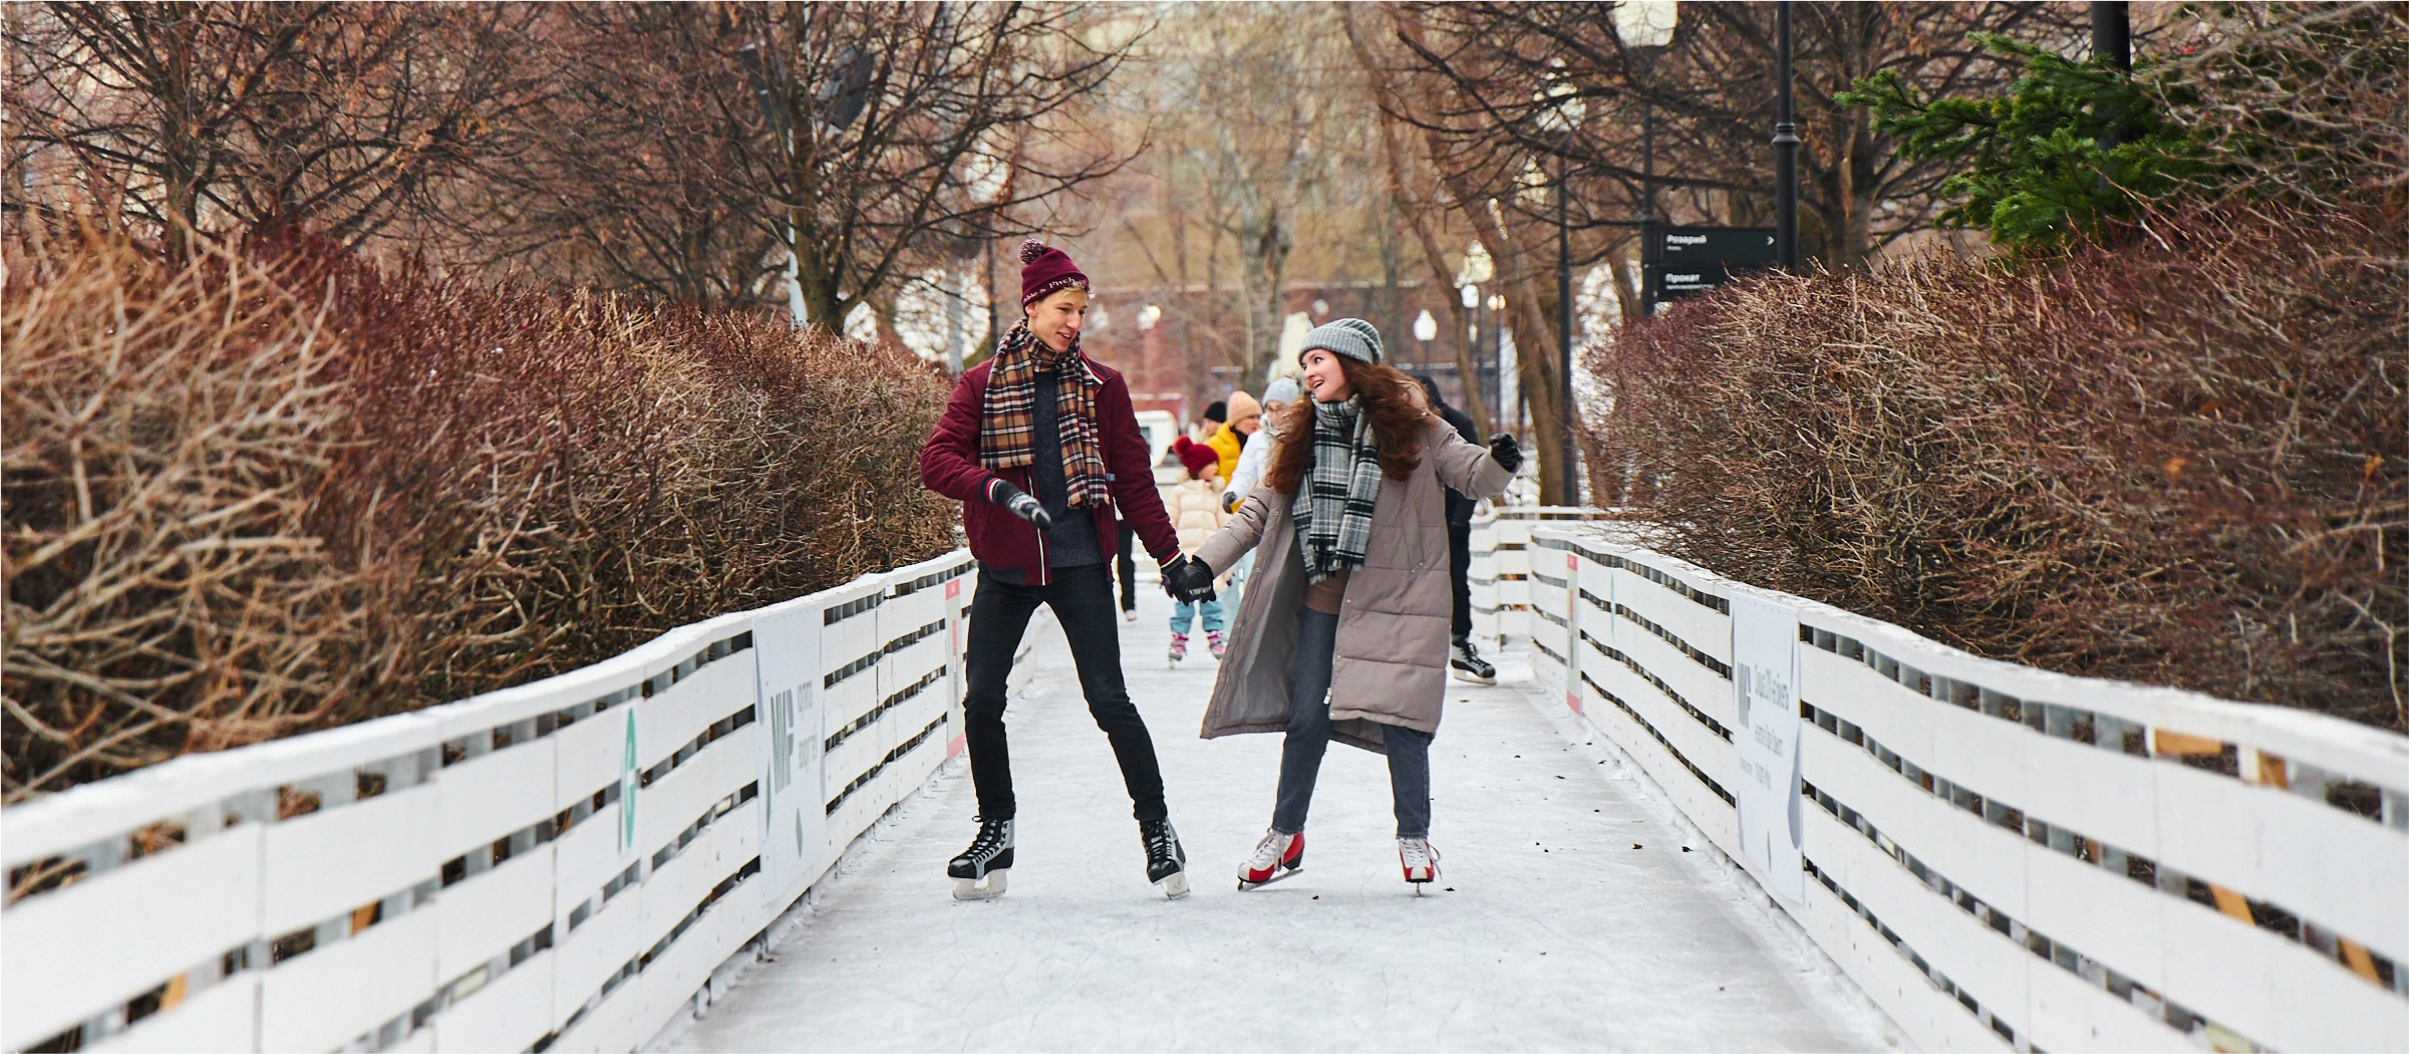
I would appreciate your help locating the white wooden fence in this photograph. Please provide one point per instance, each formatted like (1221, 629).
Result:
(557, 866)
(2002, 858)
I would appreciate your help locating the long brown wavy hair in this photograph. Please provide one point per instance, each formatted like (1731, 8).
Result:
(1398, 417)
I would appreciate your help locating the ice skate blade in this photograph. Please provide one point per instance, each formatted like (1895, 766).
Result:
(1174, 885)
(971, 889)
(1471, 678)
(1277, 874)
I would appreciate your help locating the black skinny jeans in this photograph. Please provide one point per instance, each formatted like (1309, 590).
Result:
(1459, 568)
(1127, 562)
(1082, 601)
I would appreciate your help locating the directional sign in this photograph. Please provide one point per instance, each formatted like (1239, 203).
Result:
(1708, 245)
(1679, 261)
(1672, 281)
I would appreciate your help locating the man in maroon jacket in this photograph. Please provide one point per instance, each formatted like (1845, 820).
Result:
(1040, 445)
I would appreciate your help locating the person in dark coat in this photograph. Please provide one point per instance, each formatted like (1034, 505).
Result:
(1463, 658)
(1042, 448)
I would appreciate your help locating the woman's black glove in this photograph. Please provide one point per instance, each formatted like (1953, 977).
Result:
(1505, 452)
(1188, 580)
(1020, 503)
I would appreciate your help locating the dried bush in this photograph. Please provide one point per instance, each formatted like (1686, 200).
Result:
(2183, 461)
(278, 491)
(2305, 103)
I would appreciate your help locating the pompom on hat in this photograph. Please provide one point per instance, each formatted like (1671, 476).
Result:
(1046, 270)
(1195, 456)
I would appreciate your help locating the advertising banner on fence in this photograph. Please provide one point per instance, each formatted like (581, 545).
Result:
(1572, 630)
(786, 644)
(1764, 659)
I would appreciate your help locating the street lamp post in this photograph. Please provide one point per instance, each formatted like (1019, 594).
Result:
(1563, 116)
(1785, 149)
(1496, 307)
(1472, 340)
(1425, 328)
(2112, 35)
(1644, 26)
(1565, 418)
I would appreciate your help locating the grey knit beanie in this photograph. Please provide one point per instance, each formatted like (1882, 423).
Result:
(1351, 337)
(1283, 390)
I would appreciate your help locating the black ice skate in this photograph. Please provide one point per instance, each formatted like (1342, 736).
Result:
(989, 857)
(1468, 664)
(1166, 862)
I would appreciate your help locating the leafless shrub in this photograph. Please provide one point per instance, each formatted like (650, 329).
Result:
(164, 429)
(2303, 103)
(269, 493)
(2183, 462)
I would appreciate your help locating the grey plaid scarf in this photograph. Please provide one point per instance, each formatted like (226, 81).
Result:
(1333, 510)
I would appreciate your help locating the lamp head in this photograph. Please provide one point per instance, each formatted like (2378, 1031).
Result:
(1646, 23)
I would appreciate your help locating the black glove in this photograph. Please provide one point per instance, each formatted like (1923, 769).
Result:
(1505, 452)
(1188, 580)
(1020, 504)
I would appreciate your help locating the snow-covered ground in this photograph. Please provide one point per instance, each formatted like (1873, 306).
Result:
(1568, 915)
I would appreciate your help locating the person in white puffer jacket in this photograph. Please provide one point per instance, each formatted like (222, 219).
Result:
(1195, 510)
(1249, 472)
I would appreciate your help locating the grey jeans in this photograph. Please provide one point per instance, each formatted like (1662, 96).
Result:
(1309, 737)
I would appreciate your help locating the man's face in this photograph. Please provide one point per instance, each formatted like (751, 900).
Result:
(1057, 318)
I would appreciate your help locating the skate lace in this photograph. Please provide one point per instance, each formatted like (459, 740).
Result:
(1417, 852)
(990, 839)
(1158, 837)
(1267, 852)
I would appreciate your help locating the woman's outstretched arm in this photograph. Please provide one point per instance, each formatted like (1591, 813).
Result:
(1242, 533)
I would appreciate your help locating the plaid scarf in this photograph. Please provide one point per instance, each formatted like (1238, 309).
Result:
(1334, 512)
(1008, 425)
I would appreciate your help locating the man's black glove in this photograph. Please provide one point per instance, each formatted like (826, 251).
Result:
(1188, 580)
(1505, 451)
(1020, 503)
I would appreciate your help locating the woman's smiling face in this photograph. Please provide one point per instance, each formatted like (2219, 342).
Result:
(1326, 377)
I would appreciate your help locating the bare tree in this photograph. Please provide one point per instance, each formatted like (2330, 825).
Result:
(204, 118)
(1416, 196)
(1499, 67)
(623, 180)
(889, 129)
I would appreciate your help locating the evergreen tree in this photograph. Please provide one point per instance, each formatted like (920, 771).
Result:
(2071, 147)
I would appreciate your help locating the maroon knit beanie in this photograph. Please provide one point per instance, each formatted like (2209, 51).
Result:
(1194, 456)
(1044, 270)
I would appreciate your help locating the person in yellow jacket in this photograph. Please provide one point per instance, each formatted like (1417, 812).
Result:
(1194, 506)
(1228, 441)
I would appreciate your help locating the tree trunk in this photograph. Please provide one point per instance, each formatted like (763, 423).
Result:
(1531, 304)
(1416, 214)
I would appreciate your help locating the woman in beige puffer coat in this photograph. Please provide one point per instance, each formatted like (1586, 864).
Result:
(1343, 631)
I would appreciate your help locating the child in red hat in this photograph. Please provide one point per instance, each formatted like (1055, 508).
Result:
(1195, 510)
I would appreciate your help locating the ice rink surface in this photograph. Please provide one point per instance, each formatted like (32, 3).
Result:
(1567, 916)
